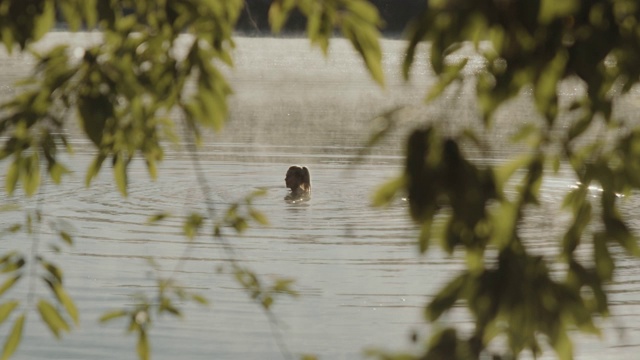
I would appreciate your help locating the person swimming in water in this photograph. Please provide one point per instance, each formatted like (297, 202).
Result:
(298, 180)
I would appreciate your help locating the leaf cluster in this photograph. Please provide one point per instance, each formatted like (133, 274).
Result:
(534, 46)
(262, 293)
(57, 311)
(168, 299)
(357, 20)
(122, 89)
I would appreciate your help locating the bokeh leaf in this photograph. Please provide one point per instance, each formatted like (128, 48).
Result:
(113, 315)
(52, 318)
(6, 309)
(143, 346)
(8, 284)
(67, 302)
(14, 338)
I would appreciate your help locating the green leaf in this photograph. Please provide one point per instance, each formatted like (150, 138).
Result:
(382, 126)
(385, 194)
(113, 315)
(12, 176)
(52, 318)
(151, 167)
(6, 309)
(603, 260)
(71, 15)
(66, 237)
(10, 264)
(157, 217)
(562, 345)
(425, 235)
(143, 345)
(120, 174)
(192, 224)
(45, 21)
(94, 168)
(619, 231)
(13, 340)
(416, 32)
(555, 162)
(200, 299)
(257, 193)
(504, 172)
(7, 38)
(94, 113)
(573, 235)
(90, 12)
(320, 26)
(445, 299)
(525, 131)
(67, 302)
(53, 270)
(278, 13)
(258, 217)
(284, 286)
(365, 10)
(56, 171)
(9, 283)
(579, 126)
(30, 175)
(267, 301)
(545, 88)
(450, 74)
(15, 228)
(8, 256)
(363, 34)
(552, 9)
(167, 305)
(240, 224)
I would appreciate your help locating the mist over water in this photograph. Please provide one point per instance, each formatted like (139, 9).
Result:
(361, 280)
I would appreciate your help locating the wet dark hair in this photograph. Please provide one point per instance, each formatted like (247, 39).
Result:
(306, 178)
(304, 175)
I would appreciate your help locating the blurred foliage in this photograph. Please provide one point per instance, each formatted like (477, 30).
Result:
(156, 61)
(57, 309)
(121, 89)
(168, 299)
(528, 49)
(358, 20)
(255, 20)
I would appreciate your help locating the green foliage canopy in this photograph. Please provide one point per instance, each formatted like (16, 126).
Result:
(512, 294)
(155, 59)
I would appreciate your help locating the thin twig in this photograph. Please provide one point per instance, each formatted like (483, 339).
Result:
(35, 244)
(253, 22)
(206, 192)
(190, 145)
(276, 331)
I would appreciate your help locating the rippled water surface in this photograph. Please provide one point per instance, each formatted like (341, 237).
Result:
(360, 279)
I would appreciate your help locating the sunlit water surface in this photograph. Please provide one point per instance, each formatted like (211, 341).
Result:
(360, 278)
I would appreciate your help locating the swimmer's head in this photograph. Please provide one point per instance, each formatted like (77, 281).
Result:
(298, 178)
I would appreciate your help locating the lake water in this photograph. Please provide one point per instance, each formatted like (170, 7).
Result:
(360, 278)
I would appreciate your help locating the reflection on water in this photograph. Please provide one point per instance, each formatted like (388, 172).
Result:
(297, 199)
(360, 278)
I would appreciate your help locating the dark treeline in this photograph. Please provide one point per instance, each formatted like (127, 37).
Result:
(254, 20)
(395, 13)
